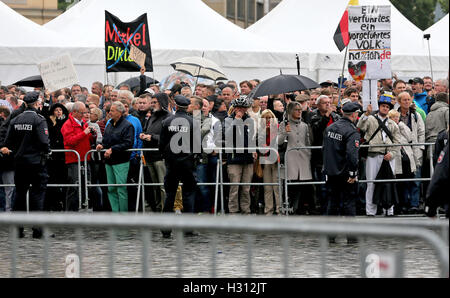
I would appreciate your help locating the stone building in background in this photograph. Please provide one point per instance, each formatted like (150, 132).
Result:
(241, 12)
(39, 11)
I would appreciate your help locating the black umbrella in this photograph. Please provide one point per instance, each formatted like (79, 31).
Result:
(135, 82)
(283, 84)
(33, 81)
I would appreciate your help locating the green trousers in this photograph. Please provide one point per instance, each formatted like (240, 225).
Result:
(118, 195)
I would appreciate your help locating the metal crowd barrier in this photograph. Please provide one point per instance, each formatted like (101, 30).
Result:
(287, 183)
(62, 185)
(248, 149)
(287, 227)
(141, 183)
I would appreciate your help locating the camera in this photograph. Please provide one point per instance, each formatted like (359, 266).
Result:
(91, 130)
(291, 96)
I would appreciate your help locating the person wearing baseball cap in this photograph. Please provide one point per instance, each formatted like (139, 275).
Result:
(421, 98)
(27, 140)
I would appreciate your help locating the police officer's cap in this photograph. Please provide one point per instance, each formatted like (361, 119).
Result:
(182, 101)
(351, 107)
(31, 97)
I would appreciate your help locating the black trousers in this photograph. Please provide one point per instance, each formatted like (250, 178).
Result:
(33, 178)
(177, 171)
(341, 196)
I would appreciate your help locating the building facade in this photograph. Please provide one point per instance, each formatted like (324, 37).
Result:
(39, 11)
(243, 13)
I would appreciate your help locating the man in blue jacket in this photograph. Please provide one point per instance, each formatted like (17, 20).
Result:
(118, 138)
(421, 98)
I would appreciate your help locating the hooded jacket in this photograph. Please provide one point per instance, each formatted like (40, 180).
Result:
(54, 128)
(421, 100)
(153, 127)
(437, 121)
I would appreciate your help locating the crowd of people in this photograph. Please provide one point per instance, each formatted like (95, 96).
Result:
(108, 122)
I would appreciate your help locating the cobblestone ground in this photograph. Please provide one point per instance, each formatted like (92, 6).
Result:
(304, 258)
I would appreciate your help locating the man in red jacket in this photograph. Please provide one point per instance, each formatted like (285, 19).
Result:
(77, 136)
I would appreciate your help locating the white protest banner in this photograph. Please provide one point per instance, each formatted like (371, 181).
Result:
(370, 42)
(138, 56)
(58, 73)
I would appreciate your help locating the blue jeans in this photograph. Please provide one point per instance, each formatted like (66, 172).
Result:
(206, 173)
(414, 190)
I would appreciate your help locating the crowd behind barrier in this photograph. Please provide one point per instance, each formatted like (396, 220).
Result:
(107, 151)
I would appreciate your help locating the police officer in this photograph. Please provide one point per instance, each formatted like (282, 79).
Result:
(176, 143)
(27, 139)
(436, 193)
(340, 156)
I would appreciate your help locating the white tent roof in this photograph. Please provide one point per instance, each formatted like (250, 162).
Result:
(174, 24)
(24, 44)
(439, 42)
(19, 31)
(308, 26)
(178, 28)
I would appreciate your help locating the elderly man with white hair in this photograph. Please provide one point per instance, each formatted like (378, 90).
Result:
(118, 138)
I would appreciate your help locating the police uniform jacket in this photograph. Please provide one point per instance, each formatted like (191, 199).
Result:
(119, 137)
(181, 127)
(27, 137)
(340, 149)
(436, 193)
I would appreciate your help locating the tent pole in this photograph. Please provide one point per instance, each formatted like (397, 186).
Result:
(342, 76)
(427, 37)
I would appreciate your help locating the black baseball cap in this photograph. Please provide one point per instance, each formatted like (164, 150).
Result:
(416, 80)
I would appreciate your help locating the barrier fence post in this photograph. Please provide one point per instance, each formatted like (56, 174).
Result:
(221, 183)
(139, 187)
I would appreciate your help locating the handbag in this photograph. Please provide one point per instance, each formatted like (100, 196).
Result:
(257, 169)
(406, 163)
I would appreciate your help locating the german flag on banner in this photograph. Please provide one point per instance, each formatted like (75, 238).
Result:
(342, 36)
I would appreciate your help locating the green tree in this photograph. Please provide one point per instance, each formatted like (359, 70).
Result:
(444, 5)
(419, 12)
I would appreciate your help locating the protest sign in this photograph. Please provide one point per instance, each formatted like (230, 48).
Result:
(58, 73)
(138, 56)
(370, 42)
(119, 37)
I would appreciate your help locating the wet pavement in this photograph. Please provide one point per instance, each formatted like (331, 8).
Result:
(304, 257)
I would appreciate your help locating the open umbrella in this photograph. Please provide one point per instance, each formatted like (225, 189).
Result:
(283, 84)
(178, 78)
(33, 81)
(134, 82)
(199, 67)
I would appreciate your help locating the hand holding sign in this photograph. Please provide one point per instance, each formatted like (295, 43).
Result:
(138, 56)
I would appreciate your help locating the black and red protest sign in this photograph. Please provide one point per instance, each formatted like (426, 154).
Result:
(119, 37)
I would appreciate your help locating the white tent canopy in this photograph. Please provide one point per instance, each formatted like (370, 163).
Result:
(308, 27)
(439, 42)
(178, 28)
(24, 44)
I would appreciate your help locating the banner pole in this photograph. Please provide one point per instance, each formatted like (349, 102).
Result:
(342, 76)
(427, 37)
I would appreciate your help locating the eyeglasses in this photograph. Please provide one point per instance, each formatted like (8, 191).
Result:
(297, 110)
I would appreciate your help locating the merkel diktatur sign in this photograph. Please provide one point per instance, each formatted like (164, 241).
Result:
(119, 37)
